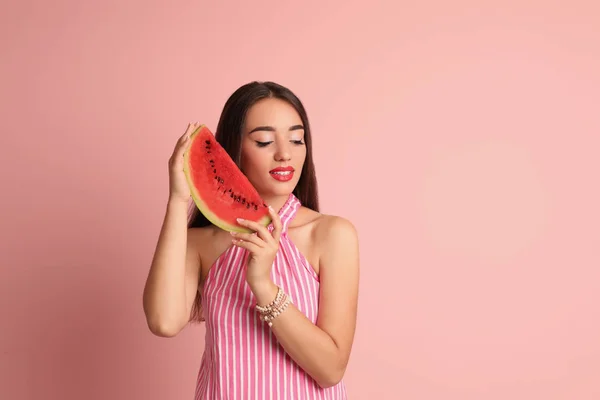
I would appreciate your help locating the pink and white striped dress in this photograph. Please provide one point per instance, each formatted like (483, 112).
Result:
(242, 358)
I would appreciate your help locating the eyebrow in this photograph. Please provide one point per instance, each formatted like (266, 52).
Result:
(271, 129)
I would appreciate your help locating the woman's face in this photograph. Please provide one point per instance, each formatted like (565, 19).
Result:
(273, 149)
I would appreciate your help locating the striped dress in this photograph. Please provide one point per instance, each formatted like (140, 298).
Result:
(242, 358)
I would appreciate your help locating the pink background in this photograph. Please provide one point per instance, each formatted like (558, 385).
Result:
(471, 137)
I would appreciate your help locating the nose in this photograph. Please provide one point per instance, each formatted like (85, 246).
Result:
(283, 152)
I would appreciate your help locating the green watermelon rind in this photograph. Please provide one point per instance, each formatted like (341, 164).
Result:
(201, 204)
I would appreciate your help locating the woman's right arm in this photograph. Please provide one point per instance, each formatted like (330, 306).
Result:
(172, 281)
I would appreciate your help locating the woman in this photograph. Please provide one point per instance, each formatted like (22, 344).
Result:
(280, 304)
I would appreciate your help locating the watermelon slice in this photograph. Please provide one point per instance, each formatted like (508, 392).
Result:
(219, 188)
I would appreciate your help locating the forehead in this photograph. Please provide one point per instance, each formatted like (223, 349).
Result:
(273, 112)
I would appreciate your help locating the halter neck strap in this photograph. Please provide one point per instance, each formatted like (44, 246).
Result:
(287, 212)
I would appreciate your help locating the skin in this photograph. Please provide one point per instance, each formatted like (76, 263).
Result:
(183, 257)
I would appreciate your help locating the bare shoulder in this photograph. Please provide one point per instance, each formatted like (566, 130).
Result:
(202, 233)
(331, 237)
(335, 230)
(324, 225)
(206, 238)
(197, 237)
(208, 243)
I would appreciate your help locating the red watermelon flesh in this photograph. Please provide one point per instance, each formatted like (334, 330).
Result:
(219, 189)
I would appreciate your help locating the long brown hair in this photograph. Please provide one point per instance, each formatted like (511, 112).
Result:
(229, 135)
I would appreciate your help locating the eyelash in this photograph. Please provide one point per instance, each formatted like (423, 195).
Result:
(264, 144)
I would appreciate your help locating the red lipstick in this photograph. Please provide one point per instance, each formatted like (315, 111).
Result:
(282, 174)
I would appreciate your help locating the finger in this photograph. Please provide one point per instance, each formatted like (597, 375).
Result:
(251, 247)
(249, 237)
(183, 145)
(189, 130)
(183, 142)
(277, 225)
(263, 233)
(180, 149)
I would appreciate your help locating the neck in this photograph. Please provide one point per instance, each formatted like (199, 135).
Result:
(275, 201)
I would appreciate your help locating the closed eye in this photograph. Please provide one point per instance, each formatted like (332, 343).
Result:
(264, 144)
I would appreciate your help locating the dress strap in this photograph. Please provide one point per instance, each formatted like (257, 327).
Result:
(287, 212)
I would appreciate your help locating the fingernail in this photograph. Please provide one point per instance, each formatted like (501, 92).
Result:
(233, 233)
(240, 220)
(271, 208)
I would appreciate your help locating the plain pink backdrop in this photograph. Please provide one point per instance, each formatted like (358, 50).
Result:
(462, 139)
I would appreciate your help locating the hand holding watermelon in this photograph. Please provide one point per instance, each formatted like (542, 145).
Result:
(178, 186)
(262, 245)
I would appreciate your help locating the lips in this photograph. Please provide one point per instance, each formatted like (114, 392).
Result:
(282, 169)
(282, 173)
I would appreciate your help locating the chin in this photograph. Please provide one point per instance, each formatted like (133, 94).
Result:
(278, 188)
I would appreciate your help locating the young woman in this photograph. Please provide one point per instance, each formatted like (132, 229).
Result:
(279, 304)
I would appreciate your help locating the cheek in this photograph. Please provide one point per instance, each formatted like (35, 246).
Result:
(300, 155)
(246, 161)
(251, 160)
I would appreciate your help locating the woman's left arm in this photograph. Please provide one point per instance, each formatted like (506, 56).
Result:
(322, 349)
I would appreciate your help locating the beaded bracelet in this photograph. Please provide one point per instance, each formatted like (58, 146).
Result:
(269, 312)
